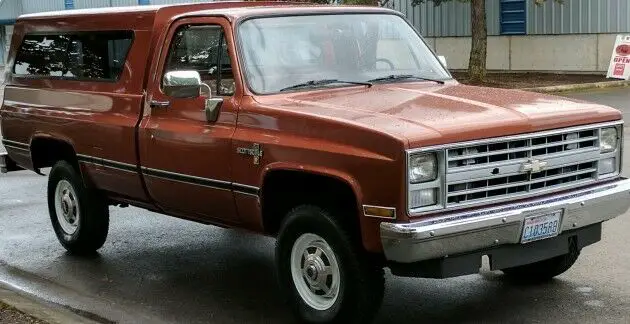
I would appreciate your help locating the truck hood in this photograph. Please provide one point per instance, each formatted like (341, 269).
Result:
(425, 114)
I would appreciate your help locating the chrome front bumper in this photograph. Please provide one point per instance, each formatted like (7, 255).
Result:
(463, 232)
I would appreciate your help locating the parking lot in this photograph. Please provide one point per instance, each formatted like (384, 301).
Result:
(158, 269)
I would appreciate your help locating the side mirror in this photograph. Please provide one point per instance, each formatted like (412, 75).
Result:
(187, 84)
(442, 59)
(182, 84)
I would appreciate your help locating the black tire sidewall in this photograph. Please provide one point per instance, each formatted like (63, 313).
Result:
(93, 213)
(311, 219)
(63, 171)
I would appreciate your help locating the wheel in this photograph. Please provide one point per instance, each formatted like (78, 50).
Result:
(79, 215)
(543, 270)
(323, 273)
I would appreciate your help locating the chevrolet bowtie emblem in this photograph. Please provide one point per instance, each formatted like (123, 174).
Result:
(255, 151)
(534, 166)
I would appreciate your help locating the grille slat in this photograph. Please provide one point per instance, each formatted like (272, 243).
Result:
(570, 153)
(525, 182)
(519, 150)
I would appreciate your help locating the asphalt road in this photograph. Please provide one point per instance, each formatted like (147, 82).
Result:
(158, 269)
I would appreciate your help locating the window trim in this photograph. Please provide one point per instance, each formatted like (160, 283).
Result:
(63, 78)
(222, 40)
(239, 45)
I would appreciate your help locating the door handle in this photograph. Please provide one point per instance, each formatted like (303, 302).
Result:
(159, 104)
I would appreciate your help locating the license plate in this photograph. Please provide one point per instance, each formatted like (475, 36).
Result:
(541, 226)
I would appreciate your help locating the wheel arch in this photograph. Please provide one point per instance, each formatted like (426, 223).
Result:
(285, 186)
(47, 149)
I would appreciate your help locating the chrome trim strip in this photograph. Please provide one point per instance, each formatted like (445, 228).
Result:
(382, 207)
(245, 189)
(479, 229)
(184, 178)
(17, 148)
(515, 137)
(16, 144)
(206, 182)
(107, 163)
(244, 186)
(246, 193)
(173, 176)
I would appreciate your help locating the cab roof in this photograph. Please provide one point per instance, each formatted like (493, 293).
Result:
(132, 17)
(153, 17)
(148, 9)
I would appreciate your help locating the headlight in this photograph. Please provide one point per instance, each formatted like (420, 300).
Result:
(608, 139)
(422, 168)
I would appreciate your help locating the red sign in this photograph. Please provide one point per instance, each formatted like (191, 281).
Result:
(623, 49)
(619, 69)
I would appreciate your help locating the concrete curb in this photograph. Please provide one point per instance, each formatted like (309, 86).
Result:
(40, 309)
(580, 86)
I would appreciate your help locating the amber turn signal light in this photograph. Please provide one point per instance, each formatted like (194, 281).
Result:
(377, 211)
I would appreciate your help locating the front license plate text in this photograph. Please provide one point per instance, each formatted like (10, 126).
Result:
(541, 226)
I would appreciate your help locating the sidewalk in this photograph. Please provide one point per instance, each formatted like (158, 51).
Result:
(535, 80)
(11, 315)
(18, 308)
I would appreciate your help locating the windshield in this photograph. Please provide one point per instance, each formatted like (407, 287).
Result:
(281, 53)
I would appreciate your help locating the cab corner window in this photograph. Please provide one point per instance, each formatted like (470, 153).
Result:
(203, 49)
(91, 56)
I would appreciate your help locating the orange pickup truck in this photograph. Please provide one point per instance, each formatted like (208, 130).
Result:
(336, 130)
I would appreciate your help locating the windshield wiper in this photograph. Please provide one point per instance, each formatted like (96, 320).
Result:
(317, 83)
(394, 77)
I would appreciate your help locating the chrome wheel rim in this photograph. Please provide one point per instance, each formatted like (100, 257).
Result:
(315, 271)
(67, 207)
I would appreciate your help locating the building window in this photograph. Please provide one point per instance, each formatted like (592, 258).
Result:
(513, 17)
(86, 56)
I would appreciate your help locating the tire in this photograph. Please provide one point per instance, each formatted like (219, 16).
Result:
(79, 215)
(543, 270)
(360, 283)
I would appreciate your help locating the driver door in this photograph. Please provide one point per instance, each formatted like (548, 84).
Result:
(185, 156)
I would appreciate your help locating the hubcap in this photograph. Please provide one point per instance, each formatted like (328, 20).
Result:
(315, 271)
(67, 207)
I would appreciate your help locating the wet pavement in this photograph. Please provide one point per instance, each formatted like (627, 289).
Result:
(156, 269)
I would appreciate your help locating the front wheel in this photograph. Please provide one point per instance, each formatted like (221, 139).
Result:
(79, 215)
(543, 270)
(324, 275)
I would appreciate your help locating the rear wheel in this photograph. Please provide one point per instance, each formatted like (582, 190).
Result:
(543, 270)
(324, 275)
(79, 215)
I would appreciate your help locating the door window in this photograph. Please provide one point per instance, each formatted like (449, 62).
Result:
(203, 49)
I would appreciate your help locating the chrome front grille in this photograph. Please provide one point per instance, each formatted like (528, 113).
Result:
(493, 170)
